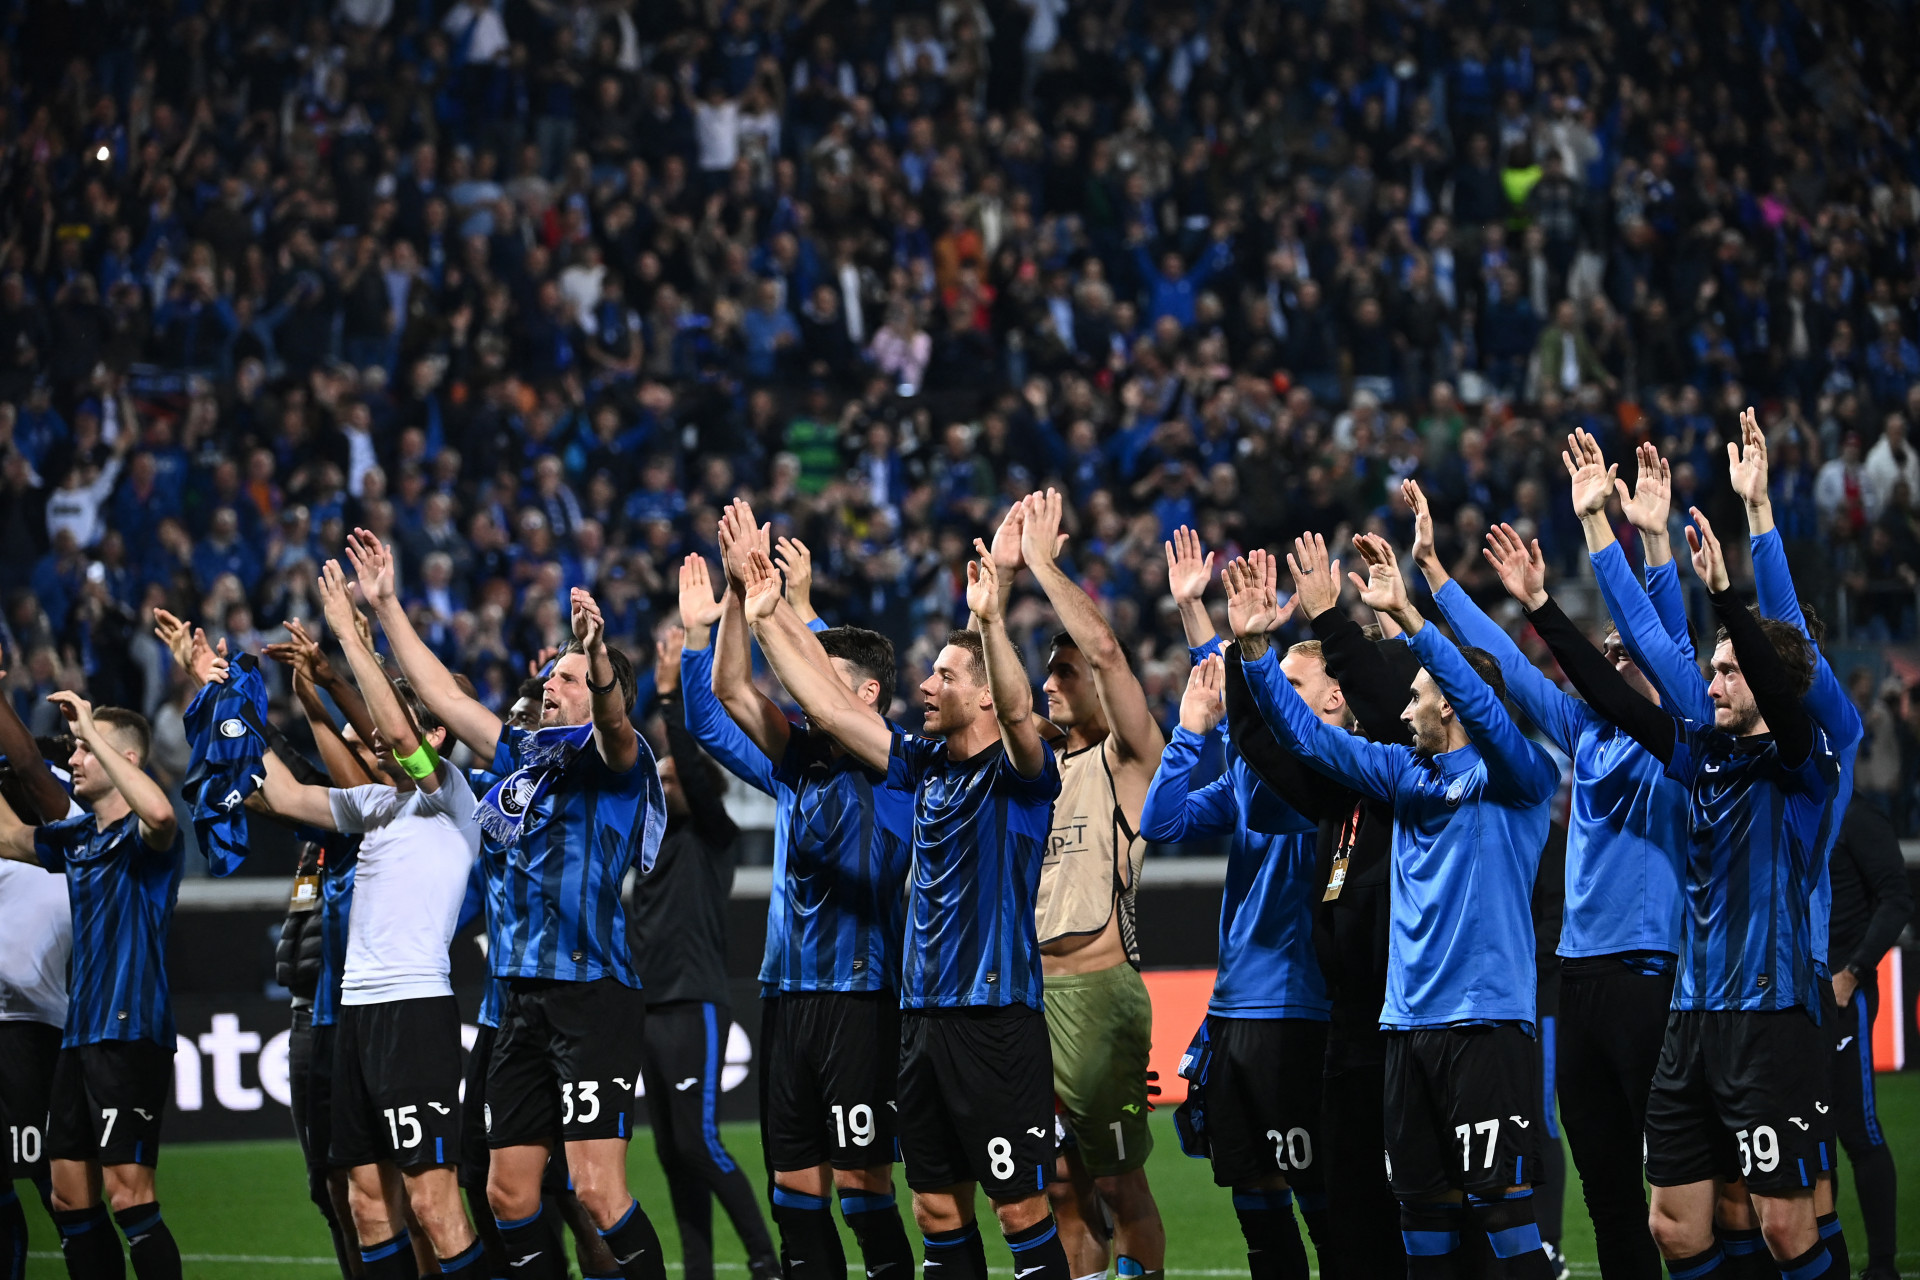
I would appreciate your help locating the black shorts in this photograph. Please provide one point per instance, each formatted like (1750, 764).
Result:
(28, 1051)
(1462, 1110)
(1742, 1095)
(396, 1084)
(476, 1157)
(976, 1099)
(832, 1063)
(565, 1060)
(1262, 1099)
(108, 1101)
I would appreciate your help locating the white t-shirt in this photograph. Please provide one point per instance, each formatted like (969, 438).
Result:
(36, 937)
(411, 878)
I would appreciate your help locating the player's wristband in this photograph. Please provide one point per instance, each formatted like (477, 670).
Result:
(422, 762)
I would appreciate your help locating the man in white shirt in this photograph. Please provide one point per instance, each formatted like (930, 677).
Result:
(397, 1068)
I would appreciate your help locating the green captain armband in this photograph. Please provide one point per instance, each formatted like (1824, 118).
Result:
(424, 761)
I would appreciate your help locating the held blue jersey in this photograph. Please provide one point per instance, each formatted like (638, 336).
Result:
(1758, 839)
(1469, 826)
(1627, 831)
(979, 834)
(122, 893)
(1268, 967)
(560, 913)
(839, 881)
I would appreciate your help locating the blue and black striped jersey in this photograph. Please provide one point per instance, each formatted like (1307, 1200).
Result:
(839, 877)
(339, 857)
(490, 871)
(1757, 853)
(122, 893)
(979, 834)
(560, 914)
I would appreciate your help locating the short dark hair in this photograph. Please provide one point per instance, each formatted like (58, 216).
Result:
(1063, 640)
(976, 648)
(128, 724)
(531, 687)
(1795, 651)
(622, 669)
(1488, 668)
(867, 652)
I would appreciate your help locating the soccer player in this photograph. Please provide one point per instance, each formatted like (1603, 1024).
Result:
(1099, 1015)
(36, 938)
(677, 922)
(396, 1078)
(830, 977)
(1621, 925)
(1359, 684)
(582, 804)
(1872, 903)
(1741, 1094)
(1470, 801)
(122, 863)
(1260, 1052)
(975, 1064)
(1674, 671)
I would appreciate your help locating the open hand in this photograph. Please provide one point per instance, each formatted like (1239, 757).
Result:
(372, 563)
(1647, 507)
(1203, 706)
(1708, 560)
(1592, 478)
(1423, 546)
(698, 608)
(1316, 580)
(793, 559)
(336, 604)
(983, 584)
(589, 628)
(1188, 571)
(1747, 466)
(1006, 553)
(1523, 572)
(1040, 536)
(762, 586)
(1383, 589)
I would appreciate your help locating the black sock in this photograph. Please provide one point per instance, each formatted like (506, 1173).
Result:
(388, 1260)
(1513, 1235)
(1274, 1247)
(532, 1253)
(1313, 1211)
(1701, 1266)
(1746, 1252)
(1037, 1250)
(90, 1244)
(955, 1255)
(1836, 1241)
(809, 1242)
(13, 1235)
(636, 1245)
(1431, 1233)
(488, 1230)
(470, 1261)
(1815, 1264)
(874, 1219)
(149, 1243)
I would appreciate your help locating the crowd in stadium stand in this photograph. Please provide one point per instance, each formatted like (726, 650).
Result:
(531, 289)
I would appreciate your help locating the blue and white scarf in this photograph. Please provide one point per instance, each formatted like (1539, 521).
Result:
(544, 756)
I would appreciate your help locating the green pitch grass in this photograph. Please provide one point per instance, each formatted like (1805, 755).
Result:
(240, 1209)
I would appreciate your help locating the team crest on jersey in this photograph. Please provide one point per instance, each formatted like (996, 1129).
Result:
(1457, 790)
(233, 728)
(486, 1116)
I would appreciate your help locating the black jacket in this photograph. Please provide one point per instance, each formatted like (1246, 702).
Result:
(1872, 901)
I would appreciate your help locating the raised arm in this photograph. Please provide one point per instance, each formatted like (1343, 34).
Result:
(23, 753)
(1605, 689)
(288, 798)
(1188, 572)
(143, 795)
(1517, 768)
(1173, 811)
(1006, 677)
(827, 702)
(1760, 663)
(709, 810)
(1279, 770)
(1136, 736)
(1647, 508)
(1253, 610)
(1523, 571)
(466, 718)
(709, 716)
(390, 719)
(311, 671)
(1828, 703)
(613, 733)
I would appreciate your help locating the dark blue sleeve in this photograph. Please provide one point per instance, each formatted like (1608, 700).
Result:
(1825, 701)
(1515, 766)
(1559, 716)
(1672, 673)
(1670, 603)
(714, 729)
(1173, 812)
